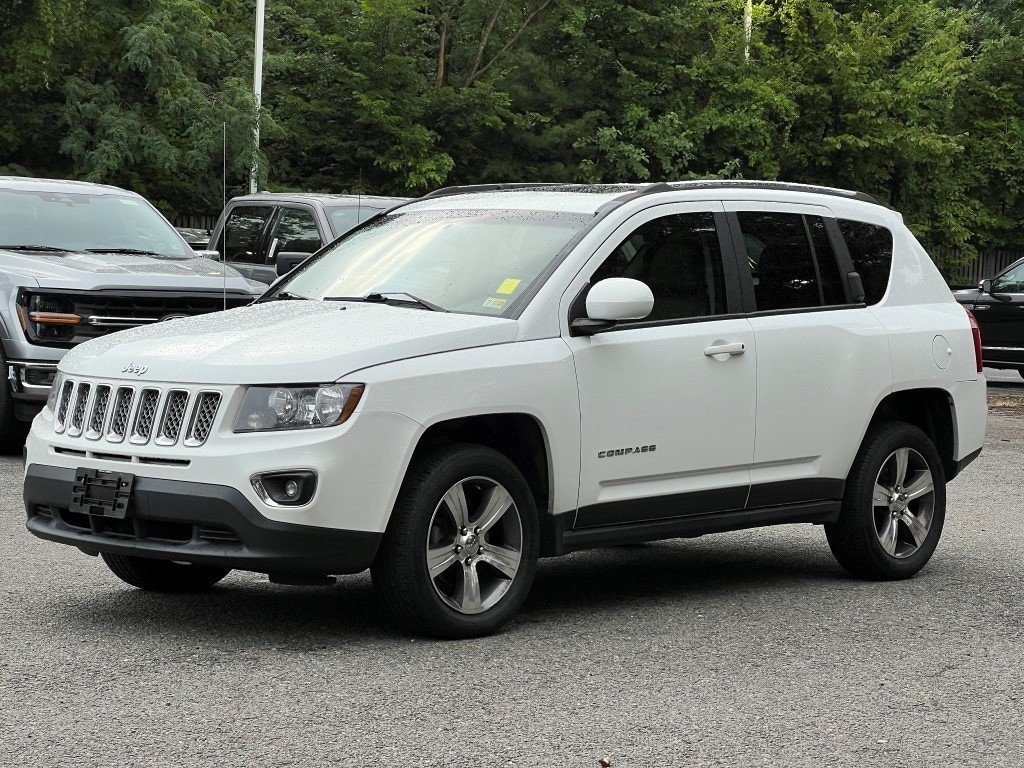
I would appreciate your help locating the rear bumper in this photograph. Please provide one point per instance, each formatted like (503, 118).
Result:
(195, 523)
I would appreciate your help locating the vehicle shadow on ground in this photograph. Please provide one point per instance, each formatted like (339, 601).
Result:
(247, 608)
(679, 571)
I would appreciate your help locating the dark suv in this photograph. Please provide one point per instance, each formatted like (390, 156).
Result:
(998, 305)
(256, 232)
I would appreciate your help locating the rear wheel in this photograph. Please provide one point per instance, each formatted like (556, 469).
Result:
(163, 575)
(894, 505)
(460, 551)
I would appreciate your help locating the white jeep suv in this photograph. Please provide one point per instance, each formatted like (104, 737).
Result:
(489, 375)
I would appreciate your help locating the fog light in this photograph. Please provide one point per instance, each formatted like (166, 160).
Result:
(285, 489)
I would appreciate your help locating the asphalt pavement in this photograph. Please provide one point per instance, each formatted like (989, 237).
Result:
(740, 649)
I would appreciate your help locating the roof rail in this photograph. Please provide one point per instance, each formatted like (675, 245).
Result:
(466, 189)
(650, 189)
(777, 185)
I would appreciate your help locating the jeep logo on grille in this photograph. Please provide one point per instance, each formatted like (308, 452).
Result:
(135, 368)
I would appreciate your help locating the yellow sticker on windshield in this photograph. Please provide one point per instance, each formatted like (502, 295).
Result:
(509, 286)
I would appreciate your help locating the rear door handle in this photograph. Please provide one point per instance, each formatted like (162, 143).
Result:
(735, 348)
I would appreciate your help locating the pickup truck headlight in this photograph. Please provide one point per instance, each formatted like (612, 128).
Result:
(267, 409)
(47, 317)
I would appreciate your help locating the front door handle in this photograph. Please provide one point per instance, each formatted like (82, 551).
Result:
(734, 348)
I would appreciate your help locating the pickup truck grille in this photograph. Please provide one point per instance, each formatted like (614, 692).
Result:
(103, 312)
(116, 413)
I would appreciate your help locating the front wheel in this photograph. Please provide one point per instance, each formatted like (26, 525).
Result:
(460, 551)
(163, 575)
(894, 505)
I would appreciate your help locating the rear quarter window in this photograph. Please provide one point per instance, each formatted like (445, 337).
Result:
(870, 247)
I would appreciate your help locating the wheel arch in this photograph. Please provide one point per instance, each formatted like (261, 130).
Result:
(931, 410)
(520, 437)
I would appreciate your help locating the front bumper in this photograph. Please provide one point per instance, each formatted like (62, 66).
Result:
(195, 523)
(30, 383)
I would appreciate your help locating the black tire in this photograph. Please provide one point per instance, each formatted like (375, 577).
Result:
(163, 575)
(855, 539)
(12, 431)
(400, 571)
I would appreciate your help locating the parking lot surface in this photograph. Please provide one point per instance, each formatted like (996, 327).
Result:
(748, 648)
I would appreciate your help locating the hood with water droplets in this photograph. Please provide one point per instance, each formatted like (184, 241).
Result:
(282, 342)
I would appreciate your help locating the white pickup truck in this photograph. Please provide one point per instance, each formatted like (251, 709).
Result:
(490, 375)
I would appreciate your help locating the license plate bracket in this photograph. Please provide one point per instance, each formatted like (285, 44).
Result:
(105, 494)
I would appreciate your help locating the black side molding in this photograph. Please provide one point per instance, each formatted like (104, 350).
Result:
(818, 512)
(962, 463)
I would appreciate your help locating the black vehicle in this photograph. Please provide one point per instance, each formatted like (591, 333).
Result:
(269, 233)
(998, 304)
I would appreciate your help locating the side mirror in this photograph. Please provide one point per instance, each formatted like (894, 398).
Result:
(289, 260)
(612, 300)
(986, 287)
(204, 254)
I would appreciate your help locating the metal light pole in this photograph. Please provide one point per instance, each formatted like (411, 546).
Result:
(257, 90)
(748, 26)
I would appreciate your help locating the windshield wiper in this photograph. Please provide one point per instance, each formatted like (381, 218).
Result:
(383, 297)
(134, 251)
(286, 296)
(47, 248)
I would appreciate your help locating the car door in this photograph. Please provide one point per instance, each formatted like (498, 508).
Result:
(293, 230)
(822, 360)
(667, 425)
(242, 241)
(1001, 319)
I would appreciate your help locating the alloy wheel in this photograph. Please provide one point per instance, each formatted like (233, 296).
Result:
(903, 502)
(474, 545)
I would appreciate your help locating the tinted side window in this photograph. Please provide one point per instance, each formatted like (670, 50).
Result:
(781, 261)
(242, 232)
(870, 249)
(1011, 281)
(296, 231)
(679, 258)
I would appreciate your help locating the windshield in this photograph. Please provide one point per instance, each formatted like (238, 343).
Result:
(75, 221)
(478, 262)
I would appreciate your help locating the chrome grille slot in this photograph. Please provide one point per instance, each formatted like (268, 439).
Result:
(145, 416)
(77, 419)
(119, 415)
(123, 413)
(175, 407)
(63, 405)
(99, 412)
(203, 415)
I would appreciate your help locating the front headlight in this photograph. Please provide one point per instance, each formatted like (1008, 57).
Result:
(51, 399)
(266, 409)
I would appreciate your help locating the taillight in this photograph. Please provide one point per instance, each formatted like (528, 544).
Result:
(976, 333)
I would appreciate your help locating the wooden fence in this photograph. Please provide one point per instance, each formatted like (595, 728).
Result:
(198, 221)
(987, 263)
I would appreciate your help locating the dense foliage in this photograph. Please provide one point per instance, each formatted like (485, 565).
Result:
(919, 103)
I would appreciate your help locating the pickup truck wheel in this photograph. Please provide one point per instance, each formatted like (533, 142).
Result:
(163, 575)
(460, 551)
(894, 505)
(12, 431)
